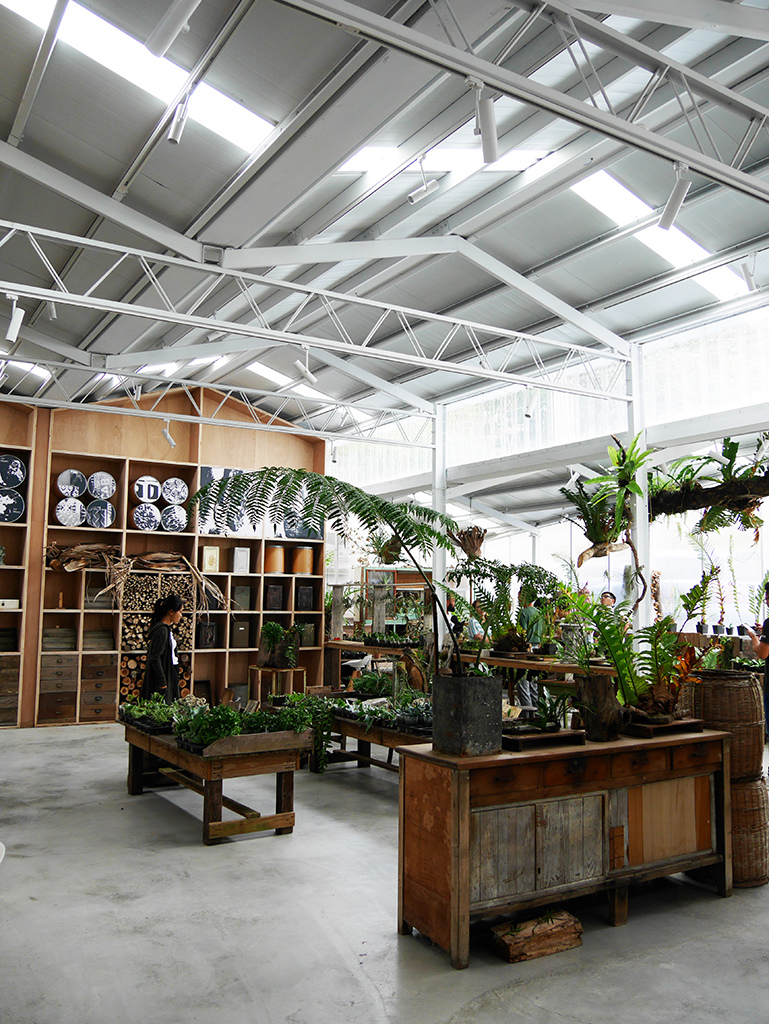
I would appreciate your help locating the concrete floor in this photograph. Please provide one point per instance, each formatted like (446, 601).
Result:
(113, 912)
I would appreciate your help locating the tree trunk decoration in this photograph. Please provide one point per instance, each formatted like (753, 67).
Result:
(599, 708)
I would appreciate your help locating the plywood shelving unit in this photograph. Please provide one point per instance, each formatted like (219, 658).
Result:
(63, 670)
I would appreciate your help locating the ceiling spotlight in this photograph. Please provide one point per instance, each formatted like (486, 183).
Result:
(179, 121)
(17, 316)
(485, 121)
(532, 401)
(304, 369)
(333, 453)
(748, 272)
(170, 25)
(167, 435)
(425, 188)
(677, 196)
(52, 314)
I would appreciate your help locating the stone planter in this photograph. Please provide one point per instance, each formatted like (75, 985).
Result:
(467, 715)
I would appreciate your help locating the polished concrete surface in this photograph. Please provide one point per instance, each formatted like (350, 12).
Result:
(113, 912)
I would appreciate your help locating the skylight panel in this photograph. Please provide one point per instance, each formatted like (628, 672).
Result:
(372, 158)
(307, 392)
(268, 373)
(118, 52)
(159, 369)
(622, 206)
(33, 368)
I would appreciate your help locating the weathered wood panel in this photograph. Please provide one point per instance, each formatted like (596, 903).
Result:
(502, 852)
(569, 840)
(669, 819)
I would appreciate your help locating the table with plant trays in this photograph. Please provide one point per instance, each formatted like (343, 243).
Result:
(233, 757)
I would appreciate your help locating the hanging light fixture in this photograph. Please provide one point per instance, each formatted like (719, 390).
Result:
(179, 121)
(530, 403)
(167, 434)
(17, 316)
(748, 269)
(677, 196)
(304, 367)
(425, 188)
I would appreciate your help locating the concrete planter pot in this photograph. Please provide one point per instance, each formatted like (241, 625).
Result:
(467, 715)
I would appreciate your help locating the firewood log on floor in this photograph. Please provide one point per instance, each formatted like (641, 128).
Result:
(555, 931)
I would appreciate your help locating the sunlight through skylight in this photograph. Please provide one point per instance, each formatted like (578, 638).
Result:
(37, 371)
(622, 206)
(159, 369)
(127, 57)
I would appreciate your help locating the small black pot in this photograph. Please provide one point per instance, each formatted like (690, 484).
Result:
(718, 628)
(742, 631)
(730, 630)
(702, 627)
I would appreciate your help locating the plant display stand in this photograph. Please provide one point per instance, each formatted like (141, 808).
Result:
(262, 680)
(233, 757)
(500, 833)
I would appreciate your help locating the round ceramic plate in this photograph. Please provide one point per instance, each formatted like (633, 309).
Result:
(147, 489)
(13, 472)
(173, 518)
(11, 505)
(175, 491)
(71, 483)
(102, 485)
(71, 512)
(100, 513)
(146, 517)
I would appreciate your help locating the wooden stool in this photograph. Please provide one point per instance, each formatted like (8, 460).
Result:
(265, 686)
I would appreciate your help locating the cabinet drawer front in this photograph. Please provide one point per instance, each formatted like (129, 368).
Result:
(696, 754)
(90, 697)
(57, 661)
(49, 673)
(58, 685)
(9, 674)
(55, 706)
(575, 770)
(9, 686)
(636, 762)
(9, 700)
(99, 685)
(498, 785)
(97, 713)
(98, 661)
(97, 671)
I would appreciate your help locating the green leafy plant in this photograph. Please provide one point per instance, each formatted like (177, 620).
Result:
(696, 598)
(374, 683)
(204, 725)
(550, 709)
(150, 709)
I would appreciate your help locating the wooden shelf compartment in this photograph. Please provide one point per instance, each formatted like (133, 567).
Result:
(62, 590)
(87, 465)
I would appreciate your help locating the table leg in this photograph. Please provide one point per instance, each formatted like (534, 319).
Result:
(212, 808)
(284, 797)
(618, 905)
(364, 748)
(135, 770)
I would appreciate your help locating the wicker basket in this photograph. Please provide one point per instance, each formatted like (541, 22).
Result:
(732, 702)
(750, 833)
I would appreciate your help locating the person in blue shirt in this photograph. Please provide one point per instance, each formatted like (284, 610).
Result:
(531, 621)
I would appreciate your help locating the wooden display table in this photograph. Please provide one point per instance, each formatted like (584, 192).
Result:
(269, 754)
(382, 736)
(482, 836)
(285, 677)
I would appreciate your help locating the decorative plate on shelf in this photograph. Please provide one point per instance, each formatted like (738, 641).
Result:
(71, 483)
(71, 512)
(147, 489)
(146, 517)
(100, 513)
(11, 505)
(174, 518)
(175, 491)
(102, 485)
(13, 472)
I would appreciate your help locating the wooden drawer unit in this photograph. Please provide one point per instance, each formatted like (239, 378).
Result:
(60, 679)
(98, 661)
(56, 707)
(695, 755)
(499, 785)
(576, 770)
(89, 671)
(92, 698)
(98, 712)
(57, 661)
(99, 685)
(639, 762)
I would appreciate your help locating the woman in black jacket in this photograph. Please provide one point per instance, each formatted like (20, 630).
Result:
(162, 674)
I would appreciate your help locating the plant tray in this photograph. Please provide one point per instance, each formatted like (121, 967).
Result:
(255, 742)
(648, 730)
(145, 725)
(536, 738)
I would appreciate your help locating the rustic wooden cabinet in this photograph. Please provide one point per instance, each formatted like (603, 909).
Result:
(480, 836)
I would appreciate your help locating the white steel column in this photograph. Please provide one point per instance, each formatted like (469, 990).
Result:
(535, 549)
(439, 501)
(640, 505)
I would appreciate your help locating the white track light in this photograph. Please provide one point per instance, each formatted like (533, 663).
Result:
(425, 188)
(179, 121)
(170, 25)
(17, 316)
(52, 314)
(748, 273)
(167, 435)
(304, 369)
(676, 200)
(486, 126)
(532, 401)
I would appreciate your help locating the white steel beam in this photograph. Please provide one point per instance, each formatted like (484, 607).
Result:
(97, 202)
(353, 18)
(501, 517)
(731, 19)
(336, 252)
(379, 383)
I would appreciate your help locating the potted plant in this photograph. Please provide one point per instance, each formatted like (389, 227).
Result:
(278, 645)
(282, 493)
